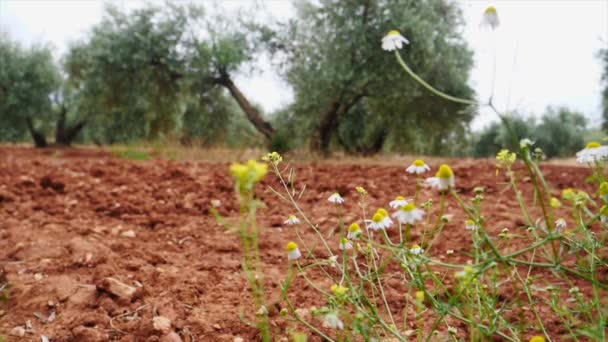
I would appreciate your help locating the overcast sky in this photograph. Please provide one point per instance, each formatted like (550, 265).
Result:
(546, 50)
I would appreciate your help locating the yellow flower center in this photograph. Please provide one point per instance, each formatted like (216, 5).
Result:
(344, 241)
(291, 217)
(408, 207)
(353, 228)
(420, 296)
(393, 33)
(537, 339)
(470, 222)
(490, 10)
(382, 212)
(377, 217)
(604, 188)
(291, 246)
(593, 144)
(445, 172)
(415, 247)
(400, 198)
(419, 162)
(604, 210)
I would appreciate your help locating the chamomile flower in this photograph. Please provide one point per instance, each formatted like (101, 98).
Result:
(291, 220)
(490, 18)
(470, 225)
(380, 220)
(398, 202)
(338, 290)
(345, 244)
(418, 167)
(393, 40)
(336, 198)
(409, 214)
(525, 143)
(293, 252)
(560, 224)
(354, 232)
(594, 152)
(443, 180)
(331, 320)
(416, 250)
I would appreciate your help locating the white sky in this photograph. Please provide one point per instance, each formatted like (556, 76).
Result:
(545, 49)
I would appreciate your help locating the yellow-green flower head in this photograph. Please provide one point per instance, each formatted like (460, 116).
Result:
(248, 175)
(273, 158)
(537, 339)
(445, 171)
(409, 214)
(393, 40)
(398, 202)
(603, 189)
(291, 220)
(345, 244)
(419, 296)
(470, 225)
(593, 144)
(505, 158)
(354, 231)
(336, 198)
(490, 18)
(338, 290)
(361, 190)
(293, 252)
(569, 194)
(555, 203)
(380, 220)
(418, 167)
(444, 178)
(377, 217)
(604, 210)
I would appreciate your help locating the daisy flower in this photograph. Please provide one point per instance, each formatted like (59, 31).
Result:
(377, 222)
(354, 232)
(560, 224)
(393, 40)
(398, 202)
(336, 198)
(331, 320)
(386, 220)
(293, 252)
(416, 250)
(470, 225)
(443, 180)
(418, 167)
(490, 18)
(409, 214)
(291, 220)
(345, 244)
(594, 152)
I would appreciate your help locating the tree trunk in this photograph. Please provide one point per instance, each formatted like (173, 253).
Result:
(39, 138)
(65, 135)
(330, 121)
(252, 114)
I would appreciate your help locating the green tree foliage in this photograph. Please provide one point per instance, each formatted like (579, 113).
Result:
(560, 133)
(350, 91)
(28, 77)
(150, 72)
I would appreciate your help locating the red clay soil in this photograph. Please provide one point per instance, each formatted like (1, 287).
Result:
(95, 246)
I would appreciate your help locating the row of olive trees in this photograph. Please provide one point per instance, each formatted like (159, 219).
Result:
(169, 72)
(560, 132)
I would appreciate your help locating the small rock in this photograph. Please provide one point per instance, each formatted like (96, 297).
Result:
(216, 203)
(171, 337)
(18, 331)
(118, 288)
(38, 276)
(162, 323)
(217, 327)
(238, 339)
(128, 233)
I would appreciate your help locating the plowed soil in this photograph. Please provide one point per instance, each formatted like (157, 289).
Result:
(71, 219)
